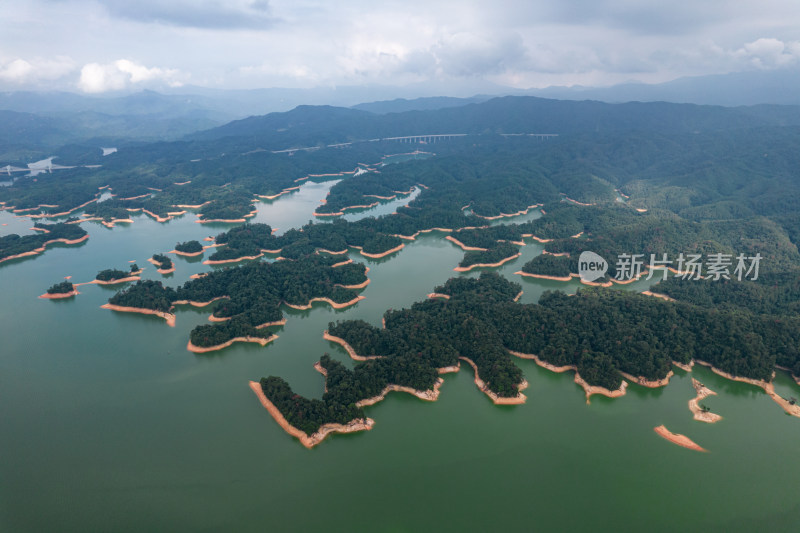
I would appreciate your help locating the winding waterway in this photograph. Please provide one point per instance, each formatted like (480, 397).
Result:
(108, 423)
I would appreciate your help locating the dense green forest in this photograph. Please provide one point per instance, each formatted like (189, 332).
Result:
(63, 287)
(111, 274)
(163, 262)
(601, 331)
(252, 294)
(13, 244)
(189, 247)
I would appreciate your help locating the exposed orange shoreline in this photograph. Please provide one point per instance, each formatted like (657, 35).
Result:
(487, 265)
(438, 295)
(506, 215)
(57, 214)
(768, 387)
(234, 260)
(170, 318)
(358, 286)
(677, 438)
(702, 393)
(333, 304)
(160, 270)
(251, 214)
(658, 295)
(198, 304)
(644, 382)
(588, 389)
(42, 248)
(498, 400)
(258, 340)
(544, 276)
(384, 254)
(428, 395)
(60, 295)
(464, 246)
(349, 349)
(309, 441)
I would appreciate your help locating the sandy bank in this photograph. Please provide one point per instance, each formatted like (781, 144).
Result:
(544, 276)
(42, 248)
(330, 302)
(506, 215)
(602, 391)
(116, 281)
(498, 400)
(417, 234)
(694, 404)
(576, 202)
(641, 210)
(331, 252)
(170, 318)
(676, 438)
(644, 382)
(537, 239)
(684, 367)
(358, 286)
(234, 260)
(342, 263)
(258, 340)
(518, 296)
(53, 215)
(658, 295)
(542, 363)
(281, 322)
(187, 182)
(487, 265)
(349, 349)
(383, 254)
(198, 276)
(60, 295)
(428, 395)
(321, 433)
(464, 246)
(769, 388)
(438, 295)
(198, 304)
(159, 218)
(114, 221)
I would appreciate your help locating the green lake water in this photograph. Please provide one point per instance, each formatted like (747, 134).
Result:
(108, 423)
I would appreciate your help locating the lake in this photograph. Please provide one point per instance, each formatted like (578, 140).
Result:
(109, 424)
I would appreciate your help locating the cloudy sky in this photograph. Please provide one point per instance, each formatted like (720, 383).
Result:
(96, 46)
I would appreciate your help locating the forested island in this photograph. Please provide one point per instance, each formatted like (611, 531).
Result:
(604, 335)
(251, 295)
(163, 263)
(13, 246)
(64, 289)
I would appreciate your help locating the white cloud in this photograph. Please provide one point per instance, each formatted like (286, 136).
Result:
(769, 53)
(121, 74)
(22, 72)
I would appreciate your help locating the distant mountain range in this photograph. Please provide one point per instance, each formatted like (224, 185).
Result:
(35, 122)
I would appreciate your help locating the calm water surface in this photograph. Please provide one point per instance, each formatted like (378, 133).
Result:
(108, 423)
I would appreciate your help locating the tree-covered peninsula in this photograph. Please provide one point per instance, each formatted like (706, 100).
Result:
(251, 295)
(13, 246)
(600, 333)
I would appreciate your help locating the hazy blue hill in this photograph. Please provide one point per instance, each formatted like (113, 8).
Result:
(401, 105)
(311, 125)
